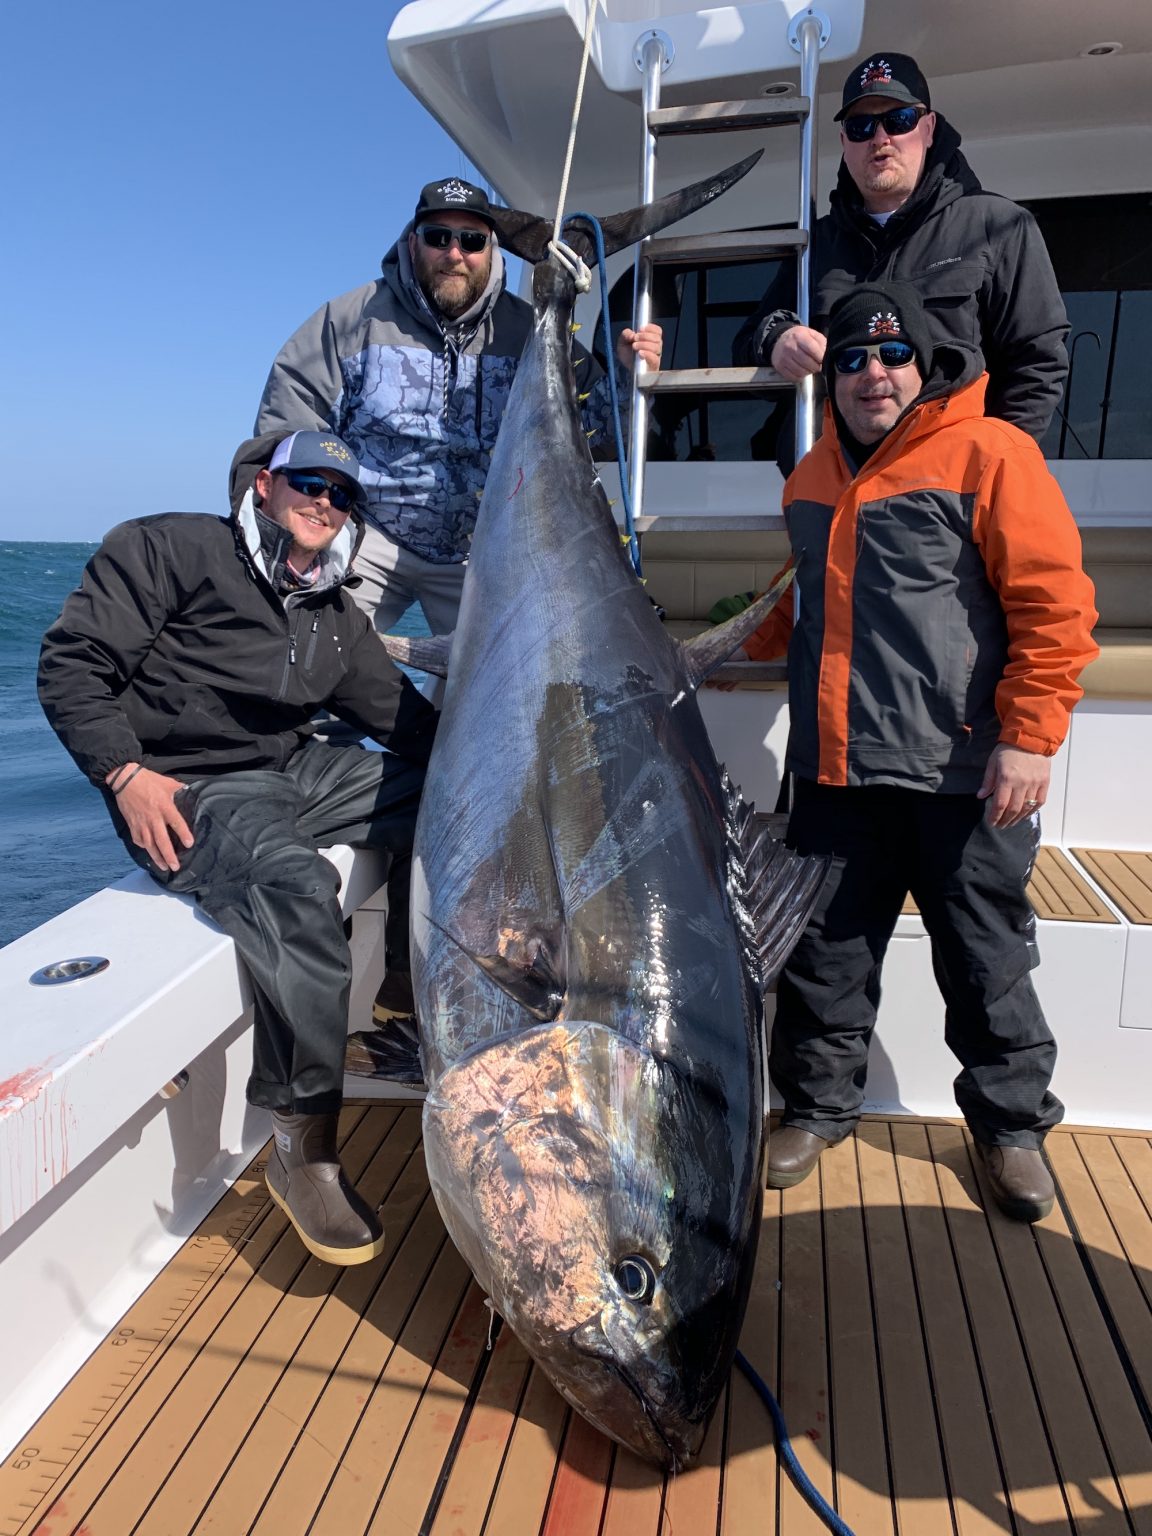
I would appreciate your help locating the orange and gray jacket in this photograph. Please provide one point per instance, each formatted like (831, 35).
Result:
(943, 604)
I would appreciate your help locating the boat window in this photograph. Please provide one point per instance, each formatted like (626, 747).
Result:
(1101, 250)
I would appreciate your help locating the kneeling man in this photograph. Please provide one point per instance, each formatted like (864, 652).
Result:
(944, 618)
(182, 676)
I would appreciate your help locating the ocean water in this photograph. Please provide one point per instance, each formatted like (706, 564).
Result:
(56, 842)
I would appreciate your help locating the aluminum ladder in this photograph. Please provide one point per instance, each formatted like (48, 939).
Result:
(808, 33)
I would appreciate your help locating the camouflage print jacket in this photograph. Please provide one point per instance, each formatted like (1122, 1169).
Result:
(419, 404)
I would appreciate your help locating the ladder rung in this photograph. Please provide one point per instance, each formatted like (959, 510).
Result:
(729, 116)
(726, 245)
(682, 381)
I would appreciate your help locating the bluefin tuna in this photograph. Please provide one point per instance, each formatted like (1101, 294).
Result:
(593, 924)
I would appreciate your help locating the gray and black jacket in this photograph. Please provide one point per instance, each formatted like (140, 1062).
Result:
(978, 261)
(179, 650)
(419, 402)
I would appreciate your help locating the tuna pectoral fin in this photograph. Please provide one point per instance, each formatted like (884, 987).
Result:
(425, 655)
(526, 235)
(528, 979)
(704, 653)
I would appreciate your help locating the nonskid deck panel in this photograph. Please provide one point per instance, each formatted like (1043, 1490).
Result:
(940, 1371)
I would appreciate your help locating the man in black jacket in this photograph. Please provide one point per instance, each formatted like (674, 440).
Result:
(182, 676)
(908, 206)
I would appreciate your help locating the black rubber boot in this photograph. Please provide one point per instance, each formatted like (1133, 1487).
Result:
(305, 1179)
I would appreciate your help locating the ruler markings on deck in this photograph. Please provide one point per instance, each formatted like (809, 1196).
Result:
(108, 1376)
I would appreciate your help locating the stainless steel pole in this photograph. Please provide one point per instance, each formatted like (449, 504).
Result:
(810, 33)
(652, 62)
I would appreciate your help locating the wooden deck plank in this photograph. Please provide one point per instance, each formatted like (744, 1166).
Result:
(863, 1491)
(1105, 1252)
(993, 1355)
(521, 1496)
(324, 1435)
(970, 1455)
(187, 1298)
(1126, 1207)
(635, 1498)
(1074, 1443)
(476, 1467)
(365, 1465)
(919, 1485)
(803, 1395)
(1097, 1432)
(749, 1484)
(279, 1417)
(1125, 876)
(576, 1505)
(409, 1491)
(155, 1422)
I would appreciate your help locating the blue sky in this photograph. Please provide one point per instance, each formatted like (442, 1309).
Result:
(183, 185)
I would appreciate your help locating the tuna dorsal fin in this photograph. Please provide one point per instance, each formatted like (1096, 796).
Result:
(773, 888)
(527, 234)
(704, 653)
(428, 654)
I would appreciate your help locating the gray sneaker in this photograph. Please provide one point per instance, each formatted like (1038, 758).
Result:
(305, 1179)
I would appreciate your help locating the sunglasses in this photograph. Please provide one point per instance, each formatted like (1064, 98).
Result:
(340, 497)
(897, 121)
(439, 237)
(892, 354)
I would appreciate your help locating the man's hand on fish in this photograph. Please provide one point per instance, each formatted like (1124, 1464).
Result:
(148, 805)
(1015, 785)
(645, 344)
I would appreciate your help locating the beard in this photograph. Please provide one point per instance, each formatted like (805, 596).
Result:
(453, 293)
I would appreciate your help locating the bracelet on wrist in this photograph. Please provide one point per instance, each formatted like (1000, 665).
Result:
(123, 783)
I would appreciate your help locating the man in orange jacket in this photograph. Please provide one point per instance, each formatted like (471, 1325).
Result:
(943, 620)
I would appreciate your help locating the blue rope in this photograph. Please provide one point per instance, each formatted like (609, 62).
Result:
(610, 360)
(788, 1456)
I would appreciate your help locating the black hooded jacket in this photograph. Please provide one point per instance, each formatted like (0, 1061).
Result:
(180, 651)
(978, 261)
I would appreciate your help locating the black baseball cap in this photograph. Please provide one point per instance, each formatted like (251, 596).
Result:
(453, 196)
(896, 75)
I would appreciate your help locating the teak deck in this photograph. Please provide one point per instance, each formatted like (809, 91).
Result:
(941, 1371)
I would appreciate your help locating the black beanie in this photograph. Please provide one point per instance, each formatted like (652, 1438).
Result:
(875, 312)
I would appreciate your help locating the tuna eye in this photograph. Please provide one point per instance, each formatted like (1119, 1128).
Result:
(635, 1278)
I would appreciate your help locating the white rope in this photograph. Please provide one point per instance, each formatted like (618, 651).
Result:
(572, 262)
(559, 224)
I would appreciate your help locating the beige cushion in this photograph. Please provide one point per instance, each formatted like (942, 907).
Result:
(1123, 669)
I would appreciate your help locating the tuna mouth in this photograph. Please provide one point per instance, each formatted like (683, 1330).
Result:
(656, 1443)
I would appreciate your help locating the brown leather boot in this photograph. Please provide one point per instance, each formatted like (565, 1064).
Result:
(305, 1179)
(792, 1155)
(1019, 1179)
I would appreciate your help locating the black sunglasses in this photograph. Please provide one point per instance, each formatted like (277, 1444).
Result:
(896, 121)
(340, 497)
(892, 354)
(439, 237)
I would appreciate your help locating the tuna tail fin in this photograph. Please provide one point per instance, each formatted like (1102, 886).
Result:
(704, 653)
(527, 234)
(425, 655)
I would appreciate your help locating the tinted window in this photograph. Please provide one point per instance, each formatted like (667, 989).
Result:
(1101, 251)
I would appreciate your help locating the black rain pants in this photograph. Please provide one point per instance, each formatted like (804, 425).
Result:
(968, 880)
(254, 869)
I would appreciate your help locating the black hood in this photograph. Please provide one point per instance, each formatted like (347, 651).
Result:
(954, 365)
(947, 176)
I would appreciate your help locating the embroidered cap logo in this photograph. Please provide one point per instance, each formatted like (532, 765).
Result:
(335, 450)
(883, 324)
(453, 192)
(876, 72)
